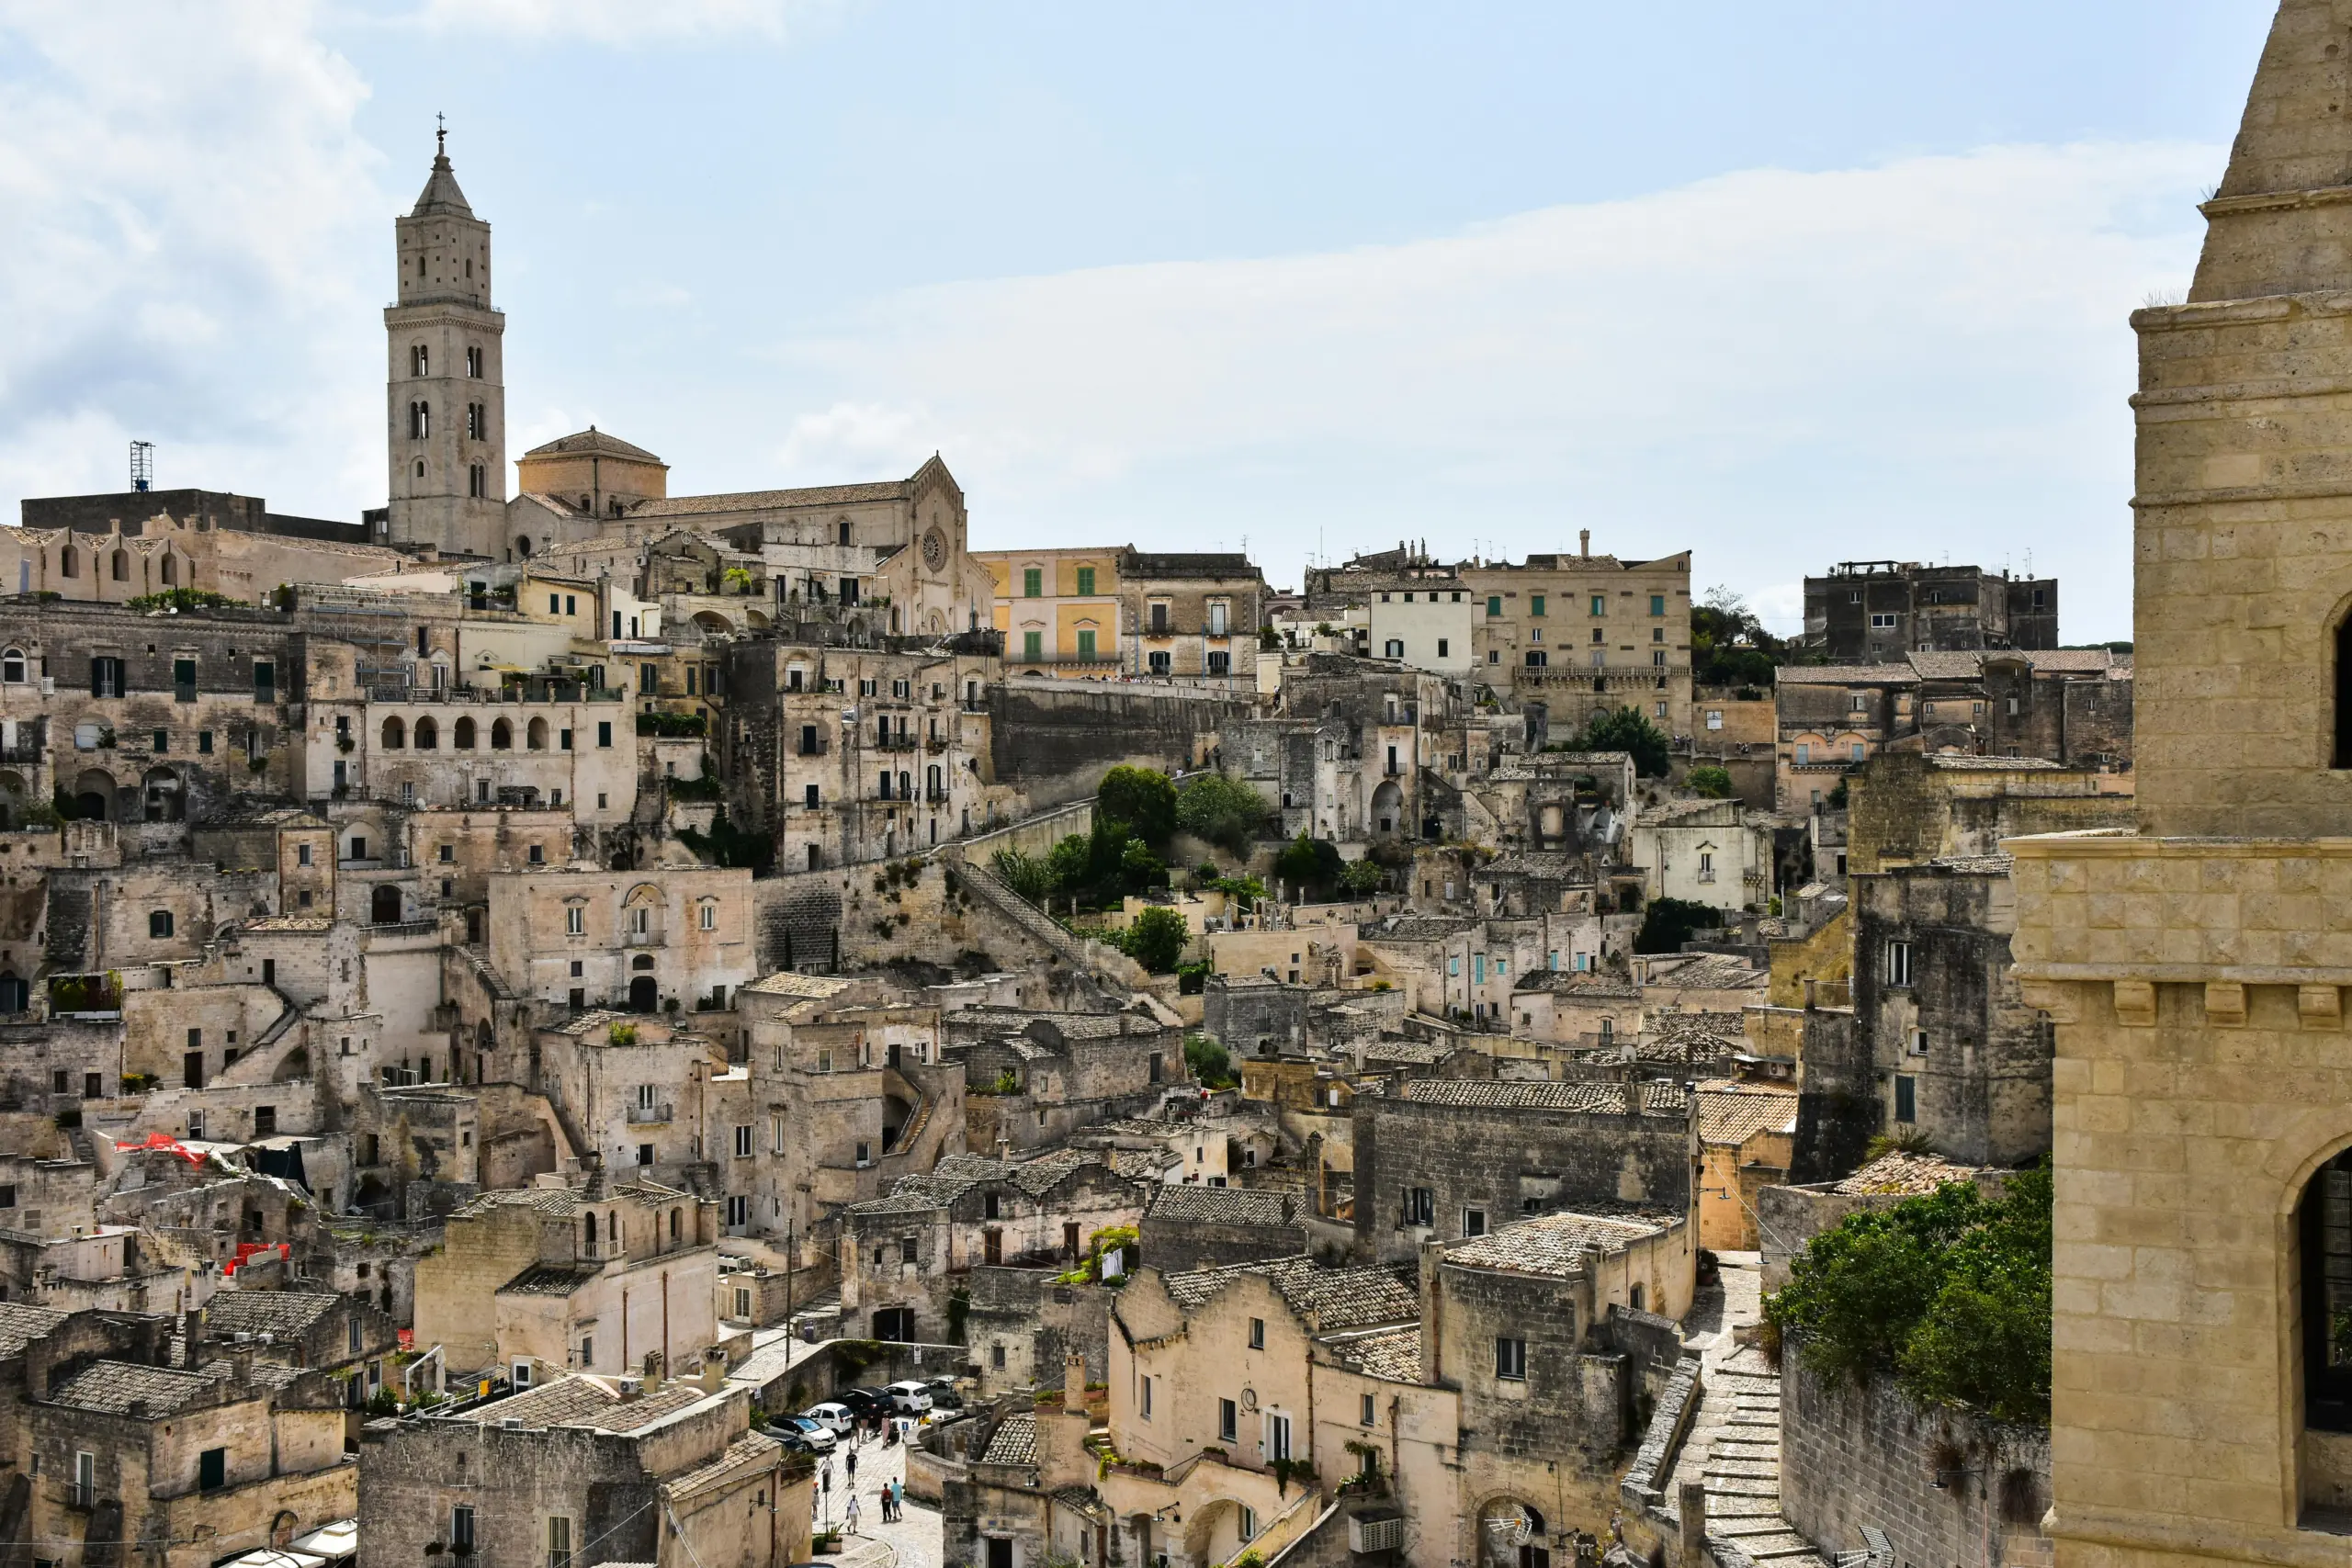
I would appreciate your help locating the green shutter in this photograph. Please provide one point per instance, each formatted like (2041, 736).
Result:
(1494, 604)
(1033, 583)
(1031, 643)
(1086, 642)
(1086, 580)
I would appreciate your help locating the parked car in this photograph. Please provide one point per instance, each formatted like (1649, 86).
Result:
(864, 1402)
(804, 1433)
(835, 1418)
(944, 1396)
(908, 1398)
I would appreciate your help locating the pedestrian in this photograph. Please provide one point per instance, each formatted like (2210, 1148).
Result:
(899, 1499)
(887, 1516)
(848, 1514)
(851, 1464)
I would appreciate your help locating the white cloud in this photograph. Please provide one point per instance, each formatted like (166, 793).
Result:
(177, 262)
(620, 21)
(1778, 368)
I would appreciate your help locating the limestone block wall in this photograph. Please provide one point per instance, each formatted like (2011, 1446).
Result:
(1866, 1453)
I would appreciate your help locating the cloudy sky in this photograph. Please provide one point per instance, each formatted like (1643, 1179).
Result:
(1784, 283)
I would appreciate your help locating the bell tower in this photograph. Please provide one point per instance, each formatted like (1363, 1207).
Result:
(445, 401)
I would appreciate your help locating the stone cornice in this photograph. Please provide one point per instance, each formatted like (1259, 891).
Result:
(2165, 1535)
(2117, 843)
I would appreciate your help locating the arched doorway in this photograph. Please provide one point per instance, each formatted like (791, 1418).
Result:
(1512, 1534)
(644, 994)
(1387, 806)
(15, 996)
(93, 796)
(384, 906)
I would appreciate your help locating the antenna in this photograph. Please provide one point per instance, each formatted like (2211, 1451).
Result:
(142, 464)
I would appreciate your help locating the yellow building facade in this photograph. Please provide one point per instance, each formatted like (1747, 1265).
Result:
(1058, 610)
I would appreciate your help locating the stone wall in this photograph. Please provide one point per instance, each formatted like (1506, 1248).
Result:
(1496, 1157)
(1056, 738)
(1945, 1486)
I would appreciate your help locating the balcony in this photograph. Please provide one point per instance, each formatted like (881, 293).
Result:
(648, 1115)
(895, 743)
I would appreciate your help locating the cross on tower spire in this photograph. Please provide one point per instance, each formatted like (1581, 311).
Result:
(440, 135)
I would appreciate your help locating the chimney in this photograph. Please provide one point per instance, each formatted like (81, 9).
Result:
(714, 1372)
(1632, 1096)
(1074, 1381)
(653, 1371)
(595, 1191)
(1584, 541)
(192, 1333)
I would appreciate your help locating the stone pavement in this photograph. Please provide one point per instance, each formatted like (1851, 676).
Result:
(914, 1541)
(1733, 1446)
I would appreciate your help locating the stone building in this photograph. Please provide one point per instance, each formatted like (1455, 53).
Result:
(1704, 852)
(2200, 1405)
(586, 1468)
(1208, 1226)
(139, 1450)
(1586, 635)
(2070, 707)
(1956, 1054)
(445, 395)
(1444, 1159)
(1059, 609)
(579, 1274)
(902, 1255)
(1552, 1332)
(1192, 618)
(1868, 612)
(1747, 1140)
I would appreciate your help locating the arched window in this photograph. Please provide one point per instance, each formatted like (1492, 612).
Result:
(2343, 757)
(122, 566)
(2326, 1236)
(12, 667)
(843, 526)
(69, 562)
(428, 734)
(170, 568)
(588, 1222)
(464, 737)
(420, 468)
(535, 736)
(502, 736)
(523, 547)
(673, 1225)
(395, 733)
(159, 923)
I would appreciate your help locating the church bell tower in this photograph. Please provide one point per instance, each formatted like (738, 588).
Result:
(444, 401)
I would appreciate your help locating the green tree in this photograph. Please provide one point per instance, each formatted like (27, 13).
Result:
(1950, 1292)
(1667, 923)
(1026, 875)
(1729, 647)
(1627, 730)
(1712, 783)
(1141, 800)
(1225, 811)
(1361, 877)
(1210, 1062)
(1070, 864)
(1312, 866)
(1139, 867)
(1158, 939)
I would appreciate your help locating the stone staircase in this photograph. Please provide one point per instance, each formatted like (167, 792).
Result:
(1734, 1449)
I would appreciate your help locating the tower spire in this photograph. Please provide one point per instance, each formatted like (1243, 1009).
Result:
(2281, 220)
(440, 138)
